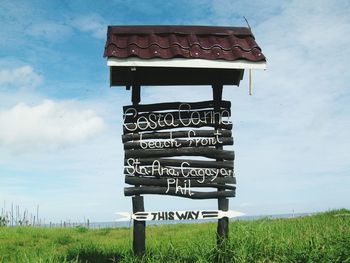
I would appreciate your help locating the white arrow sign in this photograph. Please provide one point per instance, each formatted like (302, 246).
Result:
(178, 215)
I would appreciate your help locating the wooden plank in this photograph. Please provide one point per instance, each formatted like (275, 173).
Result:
(175, 135)
(184, 113)
(164, 125)
(179, 215)
(147, 181)
(177, 143)
(187, 193)
(193, 173)
(150, 76)
(190, 151)
(175, 106)
(185, 163)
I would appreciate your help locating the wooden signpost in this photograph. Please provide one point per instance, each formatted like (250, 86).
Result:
(179, 148)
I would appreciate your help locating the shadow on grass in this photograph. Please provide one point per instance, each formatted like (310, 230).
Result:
(92, 254)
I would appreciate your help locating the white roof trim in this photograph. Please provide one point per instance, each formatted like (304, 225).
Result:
(185, 63)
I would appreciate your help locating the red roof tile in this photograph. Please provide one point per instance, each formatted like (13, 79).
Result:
(166, 42)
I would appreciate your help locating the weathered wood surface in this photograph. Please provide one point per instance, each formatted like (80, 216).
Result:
(175, 135)
(139, 230)
(175, 106)
(136, 95)
(180, 172)
(131, 117)
(190, 163)
(190, 151)
(164, 125)
(178, 143)
(223, 202)
(144, 181)
(160, 76)
(179, 215)
(223, 223)
(129, 191)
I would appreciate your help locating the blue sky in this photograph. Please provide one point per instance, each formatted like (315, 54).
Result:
(60, 123)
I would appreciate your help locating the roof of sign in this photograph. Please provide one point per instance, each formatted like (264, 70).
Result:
(183, 46)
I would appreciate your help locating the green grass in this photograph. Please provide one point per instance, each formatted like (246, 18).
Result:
(320, 238)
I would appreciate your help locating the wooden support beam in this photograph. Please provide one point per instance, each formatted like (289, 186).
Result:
(139, 231)
(223, 203)
(223, 223)
(174, 191)
(165, 76)
(136, 94)
(217, 95)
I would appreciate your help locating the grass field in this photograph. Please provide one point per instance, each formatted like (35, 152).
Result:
(323, 237)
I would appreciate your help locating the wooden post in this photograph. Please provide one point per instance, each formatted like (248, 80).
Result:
(139, 231)
(139, 235)
(223, 203)
(223, 223)
(136, 94)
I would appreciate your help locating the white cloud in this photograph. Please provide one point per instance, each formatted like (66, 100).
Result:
(24, 76)
(93, 24)
(47, 126)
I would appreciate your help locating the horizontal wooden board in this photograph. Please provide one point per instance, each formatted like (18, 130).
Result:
(180, 76)
(175, 135)
(177, 143)
(195, 123)
(152, 181)
(158, 190)
(190, 151)
(178, 215)
(175, 105)
(192, 173)
(179, 162)
(131, 117)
